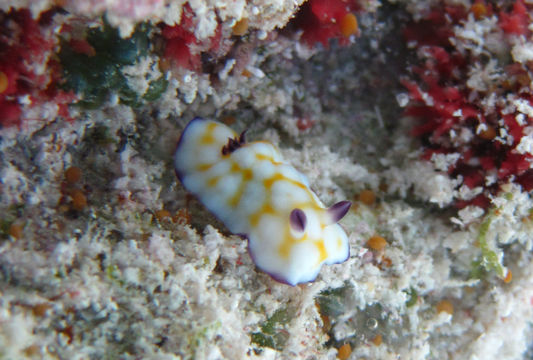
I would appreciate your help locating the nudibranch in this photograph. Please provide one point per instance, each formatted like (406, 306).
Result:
(256, 194)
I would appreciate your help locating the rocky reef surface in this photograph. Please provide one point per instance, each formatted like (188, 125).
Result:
(416, 111)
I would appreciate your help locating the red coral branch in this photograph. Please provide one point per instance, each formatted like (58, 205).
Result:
(23, 52)
(324, 20)
(451, 117)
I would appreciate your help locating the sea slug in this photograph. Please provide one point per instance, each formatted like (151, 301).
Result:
(258, 195)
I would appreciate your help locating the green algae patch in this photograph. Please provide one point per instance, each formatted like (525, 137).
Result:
(412, 297)
(95, 71)
(491, 259)
(331, 301)
(273, 334)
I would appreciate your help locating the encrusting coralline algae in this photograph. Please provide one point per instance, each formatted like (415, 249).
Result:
(418, 112)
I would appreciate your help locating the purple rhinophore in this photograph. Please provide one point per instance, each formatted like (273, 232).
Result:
(298, 220)
(338, 210)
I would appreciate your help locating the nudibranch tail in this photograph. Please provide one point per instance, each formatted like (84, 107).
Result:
(255, 193)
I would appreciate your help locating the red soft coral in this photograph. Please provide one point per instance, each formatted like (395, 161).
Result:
(323, 20)
(451, 117)
(517, 21)
(22, 54)
(181, 45)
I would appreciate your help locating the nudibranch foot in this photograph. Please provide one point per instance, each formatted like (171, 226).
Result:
(258, 195)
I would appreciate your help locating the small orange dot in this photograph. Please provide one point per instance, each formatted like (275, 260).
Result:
(79, 201)
(16, 230)
(73, 174)
(479, 10)
(182, 217)
(229, 120)
(241, 27)
(376, 242)
(32, 350)
(344, 352)
(348, 25)
(446, 306)
(4, 82)
(367, 197)
(326, 322)
(386, 262)
(488, 134)
(246, 73)
(509, 277)
(507, 84)
(40, 309)
(377, 340)
(161, 214)
(63, 208)
(523, 79)
(164, 64)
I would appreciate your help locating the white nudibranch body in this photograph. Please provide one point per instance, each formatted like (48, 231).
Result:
(255, 193)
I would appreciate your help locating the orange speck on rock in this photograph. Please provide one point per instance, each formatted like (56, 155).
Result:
(122, 199)
(63, 208)
(165, 64)
(344, 352)
(73, 174)
(79, 201)
(523, 79)
(162, 214)
(479, 10)
(32, 351)
(508, 277)
(469, 289)
(59, 225)
(40, 309)
(241, 27)
(488, 134)
(367, 197)
(376, 242)
(348, 25)
(68, 332)
(507, 84)
(16, 230)
(182, 217)
(444, 305)
(326, 322)
(229, 120)
(386, 262)
(4, 82)
(377, 340)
